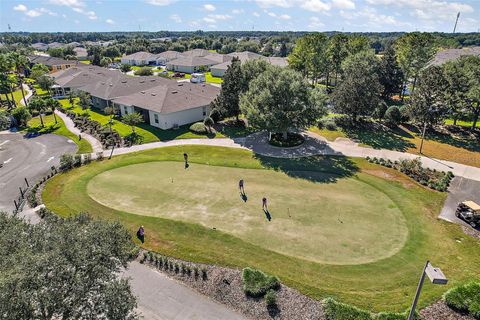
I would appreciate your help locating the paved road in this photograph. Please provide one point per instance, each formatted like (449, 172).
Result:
(27, 158)
(162, 298)
(460, 189)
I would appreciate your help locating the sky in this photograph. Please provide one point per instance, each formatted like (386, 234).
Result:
(229, 15)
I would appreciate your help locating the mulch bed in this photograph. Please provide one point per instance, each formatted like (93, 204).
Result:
(440, 311)
(224, 285)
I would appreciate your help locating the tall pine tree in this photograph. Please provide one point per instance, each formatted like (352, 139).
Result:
(227, 102)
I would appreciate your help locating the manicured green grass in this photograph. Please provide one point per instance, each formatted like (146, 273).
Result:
(208, 77)
(384, 285)
(85, 61)
(147, 132)
(460, 122)
(369, 214)
(17, 96)
(34, 125)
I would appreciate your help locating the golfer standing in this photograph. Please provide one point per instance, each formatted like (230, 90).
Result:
(240, 186)
(264, 204)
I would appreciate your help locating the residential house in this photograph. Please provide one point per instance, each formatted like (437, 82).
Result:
(40, 46)
(140, 58)
(197, 60)
(162, 102)
(219, 69)
(80, 53)
(444, 56)
(54, 64)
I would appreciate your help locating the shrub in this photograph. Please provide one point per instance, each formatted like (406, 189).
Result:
(77, 160)
(330, 125)
(395, 316)
(5, 122)
(465, 298)
(380, 110)
(87, 158)
(100, 156)
(21, 116)
(271, 298)
(144, 71)
(340, 311)
(208, 122)
(393, 116)
(256, 283)
(198, 127)
(204, 274)
(66, 162)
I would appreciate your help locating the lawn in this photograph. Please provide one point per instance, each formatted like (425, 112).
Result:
(407, 138)
(148, 133)
(17, 96)
(208, 77)
(34, 125)
(337, 229)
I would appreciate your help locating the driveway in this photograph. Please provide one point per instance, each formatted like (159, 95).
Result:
(27, 158)
(460, 189)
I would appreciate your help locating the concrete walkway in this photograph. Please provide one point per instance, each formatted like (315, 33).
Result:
(161, 298)
(96, 145)
(27, 96)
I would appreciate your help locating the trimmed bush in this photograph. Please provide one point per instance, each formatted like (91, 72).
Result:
(271, 298)
(199, 128)
(340, 311)
(256, 283)
(66, 162)
(144, 71)
(465, 298)
(393, 116)
(5, 122)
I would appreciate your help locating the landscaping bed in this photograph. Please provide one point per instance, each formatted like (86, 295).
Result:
(436, 180)
(293, 140)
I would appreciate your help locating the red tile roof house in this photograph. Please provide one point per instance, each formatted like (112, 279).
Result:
(162, 102)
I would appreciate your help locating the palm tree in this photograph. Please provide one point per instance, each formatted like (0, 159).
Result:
(132, 119)
(53, 104)
(208, 122)
(6, 80)
(20, 62)
(39, 105)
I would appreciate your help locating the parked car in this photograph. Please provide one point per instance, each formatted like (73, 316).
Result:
(178, 75)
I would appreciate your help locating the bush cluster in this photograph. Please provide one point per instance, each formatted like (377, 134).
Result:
(5, 122)
(293, 140)
(199, 128)
(327, 123)
(465, 298)
(436, 180)
(256, 283)
(170, 265)
(341, 311)
(103, 134)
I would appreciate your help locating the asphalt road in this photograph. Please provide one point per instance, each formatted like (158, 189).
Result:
(461, 189)
(29, 158)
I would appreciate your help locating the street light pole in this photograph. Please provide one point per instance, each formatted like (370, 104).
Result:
(435, 275)
(423, 136)
(417, 294)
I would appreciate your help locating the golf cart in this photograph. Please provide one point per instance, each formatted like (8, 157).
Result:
(469, 211)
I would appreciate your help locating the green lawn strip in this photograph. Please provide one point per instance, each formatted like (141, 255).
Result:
(34, 125)
(460, 123)
(17, 96)
(148, 132)
(385, 285)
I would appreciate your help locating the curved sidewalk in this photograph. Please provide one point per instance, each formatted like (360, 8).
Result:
(96, 145)
(314, 145)
(27, 96)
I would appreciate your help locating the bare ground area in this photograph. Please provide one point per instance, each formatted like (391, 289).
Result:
(440, 311)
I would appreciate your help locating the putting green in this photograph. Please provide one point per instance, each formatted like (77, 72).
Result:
(347, 222)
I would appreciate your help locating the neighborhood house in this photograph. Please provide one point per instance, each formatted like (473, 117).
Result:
(163, 103)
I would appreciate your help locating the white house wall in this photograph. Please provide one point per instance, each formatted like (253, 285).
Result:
(124, 110)
(180, 118)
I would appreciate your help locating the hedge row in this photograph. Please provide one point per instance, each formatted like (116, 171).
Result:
(436, 180)
(465, 298)
(341, 311)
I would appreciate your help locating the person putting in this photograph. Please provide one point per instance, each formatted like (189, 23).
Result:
(240, 186)
(264, 204)
(185, 157)
(141, 234)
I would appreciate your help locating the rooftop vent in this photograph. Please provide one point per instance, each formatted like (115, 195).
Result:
(174, 91)
(154, 94)
(124, 81)
(143, 92)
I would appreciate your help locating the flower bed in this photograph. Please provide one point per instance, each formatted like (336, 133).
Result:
(293, 140)
(436, 180)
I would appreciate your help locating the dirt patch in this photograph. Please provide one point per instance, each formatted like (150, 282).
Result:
(471, 232)
(440, 311)
(224, 285)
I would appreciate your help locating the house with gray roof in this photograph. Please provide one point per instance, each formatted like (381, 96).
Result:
(53, 63)
(219, 69)
(444, 56)
(163, 103)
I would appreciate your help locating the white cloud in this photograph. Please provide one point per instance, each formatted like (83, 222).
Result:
(33, 13)
(49, 12)
(369, 17)
(238, 11)
(272, 14)
(275, 3)
(220, 16)
(427, 9)
(90, 14)
(176, 18)
(209, 7)
(315, 6)
(343, 4)
(284, 17)
(315, 23)
(20, 7)
(209, 20)
(68, 3)
(256, 14)
(159, 2)
(110, 21)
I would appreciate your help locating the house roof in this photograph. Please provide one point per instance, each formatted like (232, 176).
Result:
(278, 61)
(196, 53)
(141, 55)
(40, 46)
(152, 93)
(50, 61)
(80, 52)
(169, 54)
(192, 61)
(247, 55)
(171, 97)
(452, 54)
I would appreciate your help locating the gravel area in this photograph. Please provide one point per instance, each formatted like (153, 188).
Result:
(225, 286)
(440, 311)
(471, 232)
